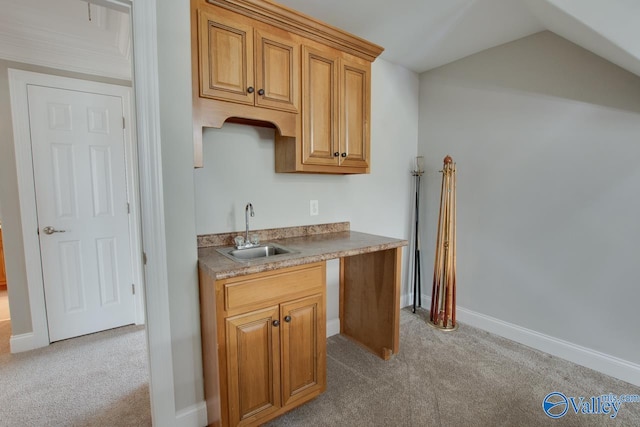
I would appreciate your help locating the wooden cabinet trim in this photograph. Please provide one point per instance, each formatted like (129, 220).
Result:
(303, 25)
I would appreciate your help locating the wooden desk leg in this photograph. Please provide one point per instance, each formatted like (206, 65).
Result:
(370, 300)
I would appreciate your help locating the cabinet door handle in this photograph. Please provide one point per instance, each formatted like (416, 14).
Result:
(276, 323)
(344, 154)
(260, 92)
(250, 89)
(336, 154)
(287, 319)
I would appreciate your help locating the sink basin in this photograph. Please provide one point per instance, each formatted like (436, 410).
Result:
(256, 252)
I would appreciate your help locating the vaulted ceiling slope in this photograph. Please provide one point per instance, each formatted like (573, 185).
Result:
(425, 34)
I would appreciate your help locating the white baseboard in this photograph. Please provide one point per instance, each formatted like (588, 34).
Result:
(598, 361)
(22, 342)
(333, 327)
(407, 299)
(193, 416)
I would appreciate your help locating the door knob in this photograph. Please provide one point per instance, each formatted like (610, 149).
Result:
(287, 319)
(50, 230)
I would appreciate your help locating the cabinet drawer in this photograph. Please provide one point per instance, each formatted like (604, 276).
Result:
(250, 291)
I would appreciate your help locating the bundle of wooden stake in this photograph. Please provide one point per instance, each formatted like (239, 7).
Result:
(443, 296)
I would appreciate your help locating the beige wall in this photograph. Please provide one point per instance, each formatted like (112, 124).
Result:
(546, 136)
(9, 201)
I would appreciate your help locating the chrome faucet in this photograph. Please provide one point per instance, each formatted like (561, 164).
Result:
(247, 208)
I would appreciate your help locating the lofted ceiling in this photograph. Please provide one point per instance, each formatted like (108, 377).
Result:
(417, 34)
(424, 34)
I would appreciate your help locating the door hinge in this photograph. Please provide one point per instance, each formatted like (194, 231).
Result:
(128, 208)
(144, 258)
(123, 125)
(133, 288)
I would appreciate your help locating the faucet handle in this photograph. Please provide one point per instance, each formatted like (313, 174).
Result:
(239, 241)
(255, 239)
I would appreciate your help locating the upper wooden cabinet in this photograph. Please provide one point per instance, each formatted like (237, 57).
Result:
(258, 62)
(335, 119)
(230, 45)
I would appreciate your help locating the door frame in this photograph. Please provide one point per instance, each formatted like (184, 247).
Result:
(18, 82)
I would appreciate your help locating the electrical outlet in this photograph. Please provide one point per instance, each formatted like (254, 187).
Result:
(313, 208)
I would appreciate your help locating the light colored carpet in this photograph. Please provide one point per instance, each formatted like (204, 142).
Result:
(463, 378)
(94, 380)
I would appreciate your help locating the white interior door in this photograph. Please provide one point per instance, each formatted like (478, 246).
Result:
(80, 178)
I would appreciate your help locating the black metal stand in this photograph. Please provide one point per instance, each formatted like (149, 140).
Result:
(416, 245)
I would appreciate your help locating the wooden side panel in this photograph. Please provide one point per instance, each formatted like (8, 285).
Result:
(370, 300)
(277, 71)
(319, 107)
(303, 348)
(226, 58)
(210, 360)
(253, 365)
(354, 113)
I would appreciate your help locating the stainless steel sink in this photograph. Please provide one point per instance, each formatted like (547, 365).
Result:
(256, 252)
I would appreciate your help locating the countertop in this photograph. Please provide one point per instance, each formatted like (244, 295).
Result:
(309, 247)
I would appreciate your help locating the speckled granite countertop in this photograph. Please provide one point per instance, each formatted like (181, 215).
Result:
(312, 244)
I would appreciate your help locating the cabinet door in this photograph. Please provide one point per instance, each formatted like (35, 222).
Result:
(253, 365)
(355, 106)
(277, 72)
(226, 57)
(303, 348)
(320, 107)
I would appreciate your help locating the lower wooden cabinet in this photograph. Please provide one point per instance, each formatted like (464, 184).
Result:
(263, 358)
